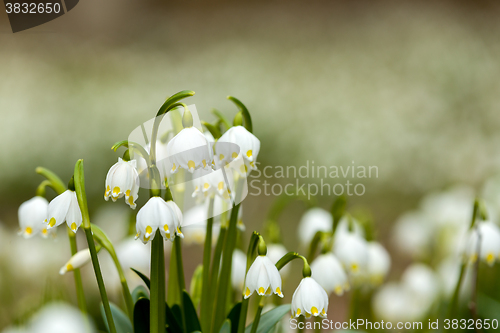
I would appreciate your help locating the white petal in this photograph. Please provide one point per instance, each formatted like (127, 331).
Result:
(58, 209)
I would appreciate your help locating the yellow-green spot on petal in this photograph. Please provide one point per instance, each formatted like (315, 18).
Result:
(243, 169)
(28, 230)
(165, 227)
(298, 312)
(149, 230)
(338, 290)
(206, 186)
(220, 186)
(249, 153)
(173, 167)
(278, 291)
(146, 238)
(73, 226)
(235, 154)
(354, 267)
(179, 231)
(323, 312)
(221, 157)
(131, 200)
(261, 290)
(204, 163)
(69, 267)
(314, 310)
(116, 190)
(490, 258)
(127, 193)
(191, 165)
(268, 291)
(44, 231)
(247, 292)
(52, 222)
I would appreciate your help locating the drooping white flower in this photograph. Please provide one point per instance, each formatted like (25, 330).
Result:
(238, 269)
(309, 299)
(123, 180)
(379, 263)
(352, 251)
(412, 234)
(422, 282)
(263, 277)
(62, 208)
(345, 224)
(327, 270)
(275, 252)
(245, 142)
(394, 303)
(489, 235)
(313, 220)
(189, 150)
(32, 214)
(157, 214)
(209, 183)
(80, 259)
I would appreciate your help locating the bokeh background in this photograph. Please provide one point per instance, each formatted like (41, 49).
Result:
(411, 87)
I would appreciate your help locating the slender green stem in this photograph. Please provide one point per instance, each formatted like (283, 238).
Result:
(77, 275)
(100, 281)
(207, 254)
(180, 277)
(157, 294)
(317, 328)
(214, 272)
(256, 321)
(229, 244)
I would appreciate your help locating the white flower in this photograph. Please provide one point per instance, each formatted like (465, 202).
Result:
(123, 180)
(489, 245)
(189, 150)
(158, 214)
(327, 270)
(343, 228)
(352, 251)
(263, 277)
(422, 282)
(80, 259)
(309, 299)
(32, 214)
(412, 234)
(64, 207)
(60, 318)
(210, 183)
(313, 220)
(238, 269)
(393, 302)
(247, 145)
(379, 263)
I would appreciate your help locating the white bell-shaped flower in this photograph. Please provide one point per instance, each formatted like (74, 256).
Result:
(275, 252)
(81, 258)
(263, 277)
(247, 143)
(309, 299)
(489, 235)
(123, 180)
(32, 214)
(313, 220)
(352, 251)
(208, 184)
(189, 150)
(62, 208)
(60, 318)
(423, 284)
(238, 269)
(343, 228)
(327, 270)
(379, 263)
(158, 214)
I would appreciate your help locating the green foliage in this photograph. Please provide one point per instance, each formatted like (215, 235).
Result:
(143, 277)
(269, 319)
(122, 323)
(139, 292)
(141, 315)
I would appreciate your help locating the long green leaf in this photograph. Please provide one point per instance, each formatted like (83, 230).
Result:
(141, 316)
(143, 277)
(226, 327)
(171, 316)
(192, 322)
(139, 292)
(122, 323)
(234, 317)
(270, 319)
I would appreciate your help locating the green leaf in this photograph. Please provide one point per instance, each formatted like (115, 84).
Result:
(141, 315)
(102, 238)
(143, 277)
(338, 209)
(195, 287)
(270, 319)
(234, 317)
(244, 111)
(226, 327)
(139, 292)
(171, 316)
(122, 323)
(56, 182)
(192, 321)
(212, 129)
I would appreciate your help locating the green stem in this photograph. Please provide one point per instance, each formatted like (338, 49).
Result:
(225, 274)
(317, 328)
(214, 273)
(76, 273)
(207, 254)
(180, 277)
(157, 292)
(100, 281)
(256, 321)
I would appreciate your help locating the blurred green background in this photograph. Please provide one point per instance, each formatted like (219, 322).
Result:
(410, 87)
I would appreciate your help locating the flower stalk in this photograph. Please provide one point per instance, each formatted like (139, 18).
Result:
(79, 181)
(207, 254)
